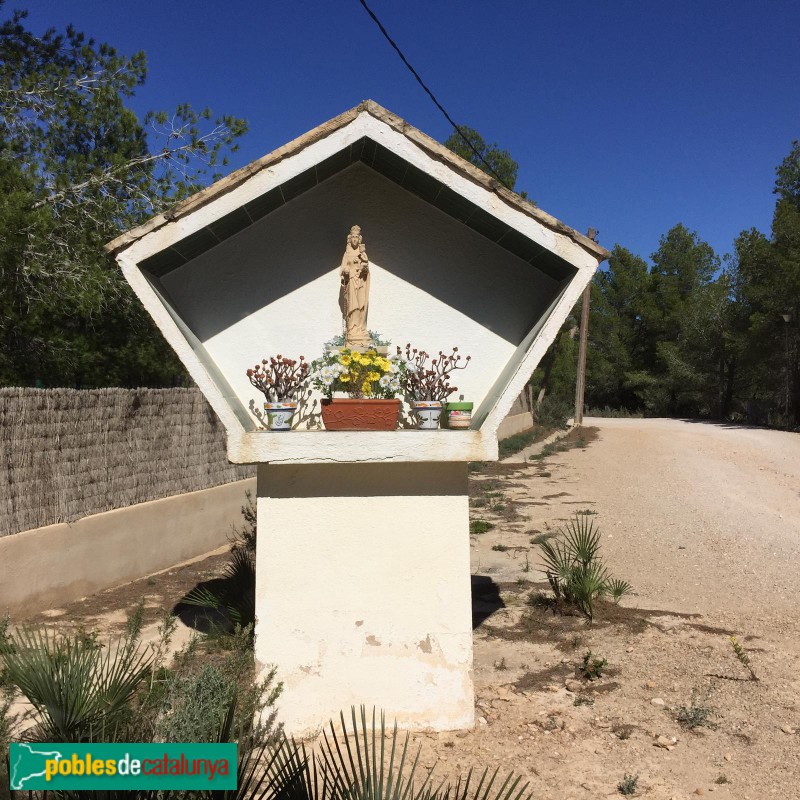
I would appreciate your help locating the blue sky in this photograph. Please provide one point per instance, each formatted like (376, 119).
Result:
(628, 116)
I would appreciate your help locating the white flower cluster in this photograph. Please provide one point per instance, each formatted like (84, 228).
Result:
(398, 362)
(390, 381)
(329, 373)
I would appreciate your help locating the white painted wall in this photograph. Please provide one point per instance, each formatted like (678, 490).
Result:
(273, 288)
(363, 593)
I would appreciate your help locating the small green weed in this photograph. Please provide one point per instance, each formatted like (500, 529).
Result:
(541, 600)
(500, 548)
(592, 667)
(587, 512)
(583, 700)
(627, 785)
(722, 779)
(695, 716)
(744, 658)
(480, 526)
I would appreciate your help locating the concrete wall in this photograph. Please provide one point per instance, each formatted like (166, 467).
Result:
(363, 591)
(515, 423)
(54, 565)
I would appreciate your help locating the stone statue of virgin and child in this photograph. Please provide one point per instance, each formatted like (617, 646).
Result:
(354, 290)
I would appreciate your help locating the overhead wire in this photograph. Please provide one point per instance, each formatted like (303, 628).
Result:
(432, 96)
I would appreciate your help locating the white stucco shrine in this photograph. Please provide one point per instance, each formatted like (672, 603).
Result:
(363, 570)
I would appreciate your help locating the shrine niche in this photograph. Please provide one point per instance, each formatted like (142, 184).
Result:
(440, 263)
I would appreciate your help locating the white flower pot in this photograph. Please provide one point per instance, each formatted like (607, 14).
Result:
(279, 415)
(428, 413)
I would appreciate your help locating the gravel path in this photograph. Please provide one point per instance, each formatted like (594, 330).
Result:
(704, 515)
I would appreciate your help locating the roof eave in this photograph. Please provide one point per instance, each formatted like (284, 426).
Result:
(422, 140)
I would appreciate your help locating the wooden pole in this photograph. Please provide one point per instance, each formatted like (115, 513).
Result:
(580, 383)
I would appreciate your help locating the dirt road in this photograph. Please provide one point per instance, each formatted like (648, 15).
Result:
(705, 516)
(704, 521)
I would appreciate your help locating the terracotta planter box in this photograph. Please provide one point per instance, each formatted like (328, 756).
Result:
(345, 414)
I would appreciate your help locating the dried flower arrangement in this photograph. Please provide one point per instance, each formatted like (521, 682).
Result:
(428, 378)
(279, 378)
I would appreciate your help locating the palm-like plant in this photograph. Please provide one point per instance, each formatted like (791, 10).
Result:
(573, 566)
(356, 764)
(234, 594)
(80, 690)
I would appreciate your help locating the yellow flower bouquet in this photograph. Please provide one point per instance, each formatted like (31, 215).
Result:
(360, 375)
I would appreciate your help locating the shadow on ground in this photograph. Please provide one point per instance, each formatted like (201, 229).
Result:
(485, 599)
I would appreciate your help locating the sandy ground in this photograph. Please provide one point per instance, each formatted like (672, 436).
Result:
(704, 521)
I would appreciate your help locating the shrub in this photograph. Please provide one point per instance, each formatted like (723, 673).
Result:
(121, 691)
(234, 594)
(79, 691)
(592, 667)
(245, 536)
(627, 785)
(553, 413)
(695, 716)
(480, 526)
(573, 566)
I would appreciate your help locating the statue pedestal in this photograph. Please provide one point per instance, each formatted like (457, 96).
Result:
(363, 591)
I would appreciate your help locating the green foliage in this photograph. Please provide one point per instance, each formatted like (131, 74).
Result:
(573, 566)
(627, 785)
(480, 526)
(244, 537)
(79, 691)
(77, 167)
(194, 706)
(552, 385)
(519, 441)
(618, 588)
(365, 763)
(695, 716)
(743, 657)
(234, 594)
(592, 667)
(553, 412)
(699, 336)
(487, 157)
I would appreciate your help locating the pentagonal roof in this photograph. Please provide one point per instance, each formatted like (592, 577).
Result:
(189, 266)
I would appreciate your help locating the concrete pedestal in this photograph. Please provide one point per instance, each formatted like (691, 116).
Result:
(363, 591)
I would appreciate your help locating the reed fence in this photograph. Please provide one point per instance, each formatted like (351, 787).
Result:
(69, 453)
